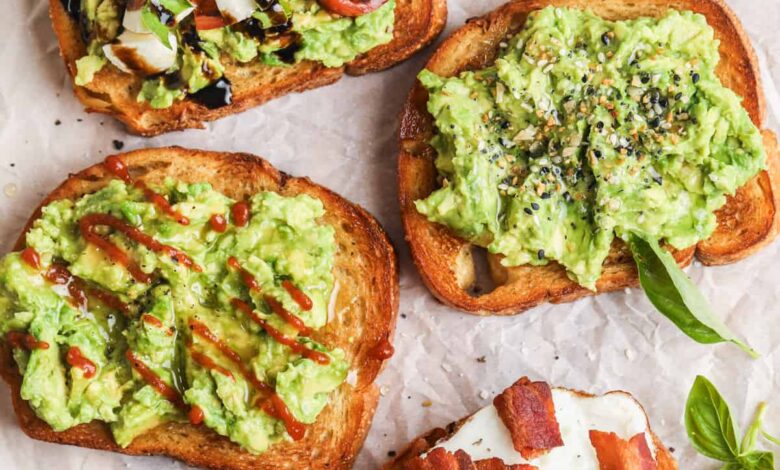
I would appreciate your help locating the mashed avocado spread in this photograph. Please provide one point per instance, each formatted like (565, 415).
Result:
(586, 129)
(134, 312)
(181, 47)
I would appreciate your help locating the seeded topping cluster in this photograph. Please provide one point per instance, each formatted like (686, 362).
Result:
(585, 128)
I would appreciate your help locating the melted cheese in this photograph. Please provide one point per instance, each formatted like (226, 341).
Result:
(484, 435)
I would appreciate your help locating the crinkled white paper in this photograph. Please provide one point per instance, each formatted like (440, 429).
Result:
(344, 137)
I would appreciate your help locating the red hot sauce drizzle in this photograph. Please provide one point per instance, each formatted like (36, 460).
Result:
(168, 392)
(118, 168)
(383, 349)
(275, 305)
(218, 223)
(240, 213)
(78, 289)
(88, 223)
(20, 339)
(278, 409)
(156, 322)
(297, 347)
(77, 360)
(196, 415)
(208, 363)
(204, 332)
(298, 296)
(275, 406)
(31, 258)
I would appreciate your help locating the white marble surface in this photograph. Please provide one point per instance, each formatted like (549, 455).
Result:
(343, 136)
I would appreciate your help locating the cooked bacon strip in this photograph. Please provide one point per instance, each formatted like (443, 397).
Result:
(615, 453)
(527, 410)
(498, 464)
(440, 459)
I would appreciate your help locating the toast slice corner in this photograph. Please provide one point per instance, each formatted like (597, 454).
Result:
(365, 267)
(417, 23)
(746, 223)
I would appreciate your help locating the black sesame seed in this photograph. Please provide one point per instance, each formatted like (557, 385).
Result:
(545, 196)
(655, 122)
(678, 96)
(528, 211)
(534, 206)
(599, 125)
(118, 144)
(540, 254)
(567, 196)
(597, 153)
(695, 77)
(663, 102)
(605, 39)
(544, 170)
(644, 77)
(676, 78)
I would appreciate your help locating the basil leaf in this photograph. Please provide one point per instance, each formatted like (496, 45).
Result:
(676, 296)
(708, 422)
(754, 461)
(152, 21)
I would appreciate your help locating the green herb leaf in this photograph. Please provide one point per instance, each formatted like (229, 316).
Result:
(708, 422)
(152, 21)
(754, 461)
(676, 296)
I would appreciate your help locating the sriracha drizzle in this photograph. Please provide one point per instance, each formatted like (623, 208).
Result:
(77, 360)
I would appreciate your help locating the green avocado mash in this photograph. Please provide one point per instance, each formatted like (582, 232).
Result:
(156, 323)
(279, 33)
(585, 129)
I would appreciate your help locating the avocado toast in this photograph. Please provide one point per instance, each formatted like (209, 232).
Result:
(616, 89)
(194, 292)
(168, 65)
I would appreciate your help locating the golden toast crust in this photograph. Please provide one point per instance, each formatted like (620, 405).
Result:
(112, 92)
(745, 224)
(365, 268)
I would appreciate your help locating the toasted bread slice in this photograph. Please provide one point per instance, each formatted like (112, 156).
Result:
(429, 440)
(367, 301)
(417, 23)
(746, 223)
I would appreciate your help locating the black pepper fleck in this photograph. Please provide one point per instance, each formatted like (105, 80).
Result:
(540, 254)
(118, 144)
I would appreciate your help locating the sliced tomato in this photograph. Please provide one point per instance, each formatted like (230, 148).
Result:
(203, 23)
(351, 7)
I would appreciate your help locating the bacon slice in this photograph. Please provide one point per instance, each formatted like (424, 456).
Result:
(498, 464)
(527, 410)
(440, 459)
(615, 453)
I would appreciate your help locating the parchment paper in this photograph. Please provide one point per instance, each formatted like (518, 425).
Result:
(344, 136)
